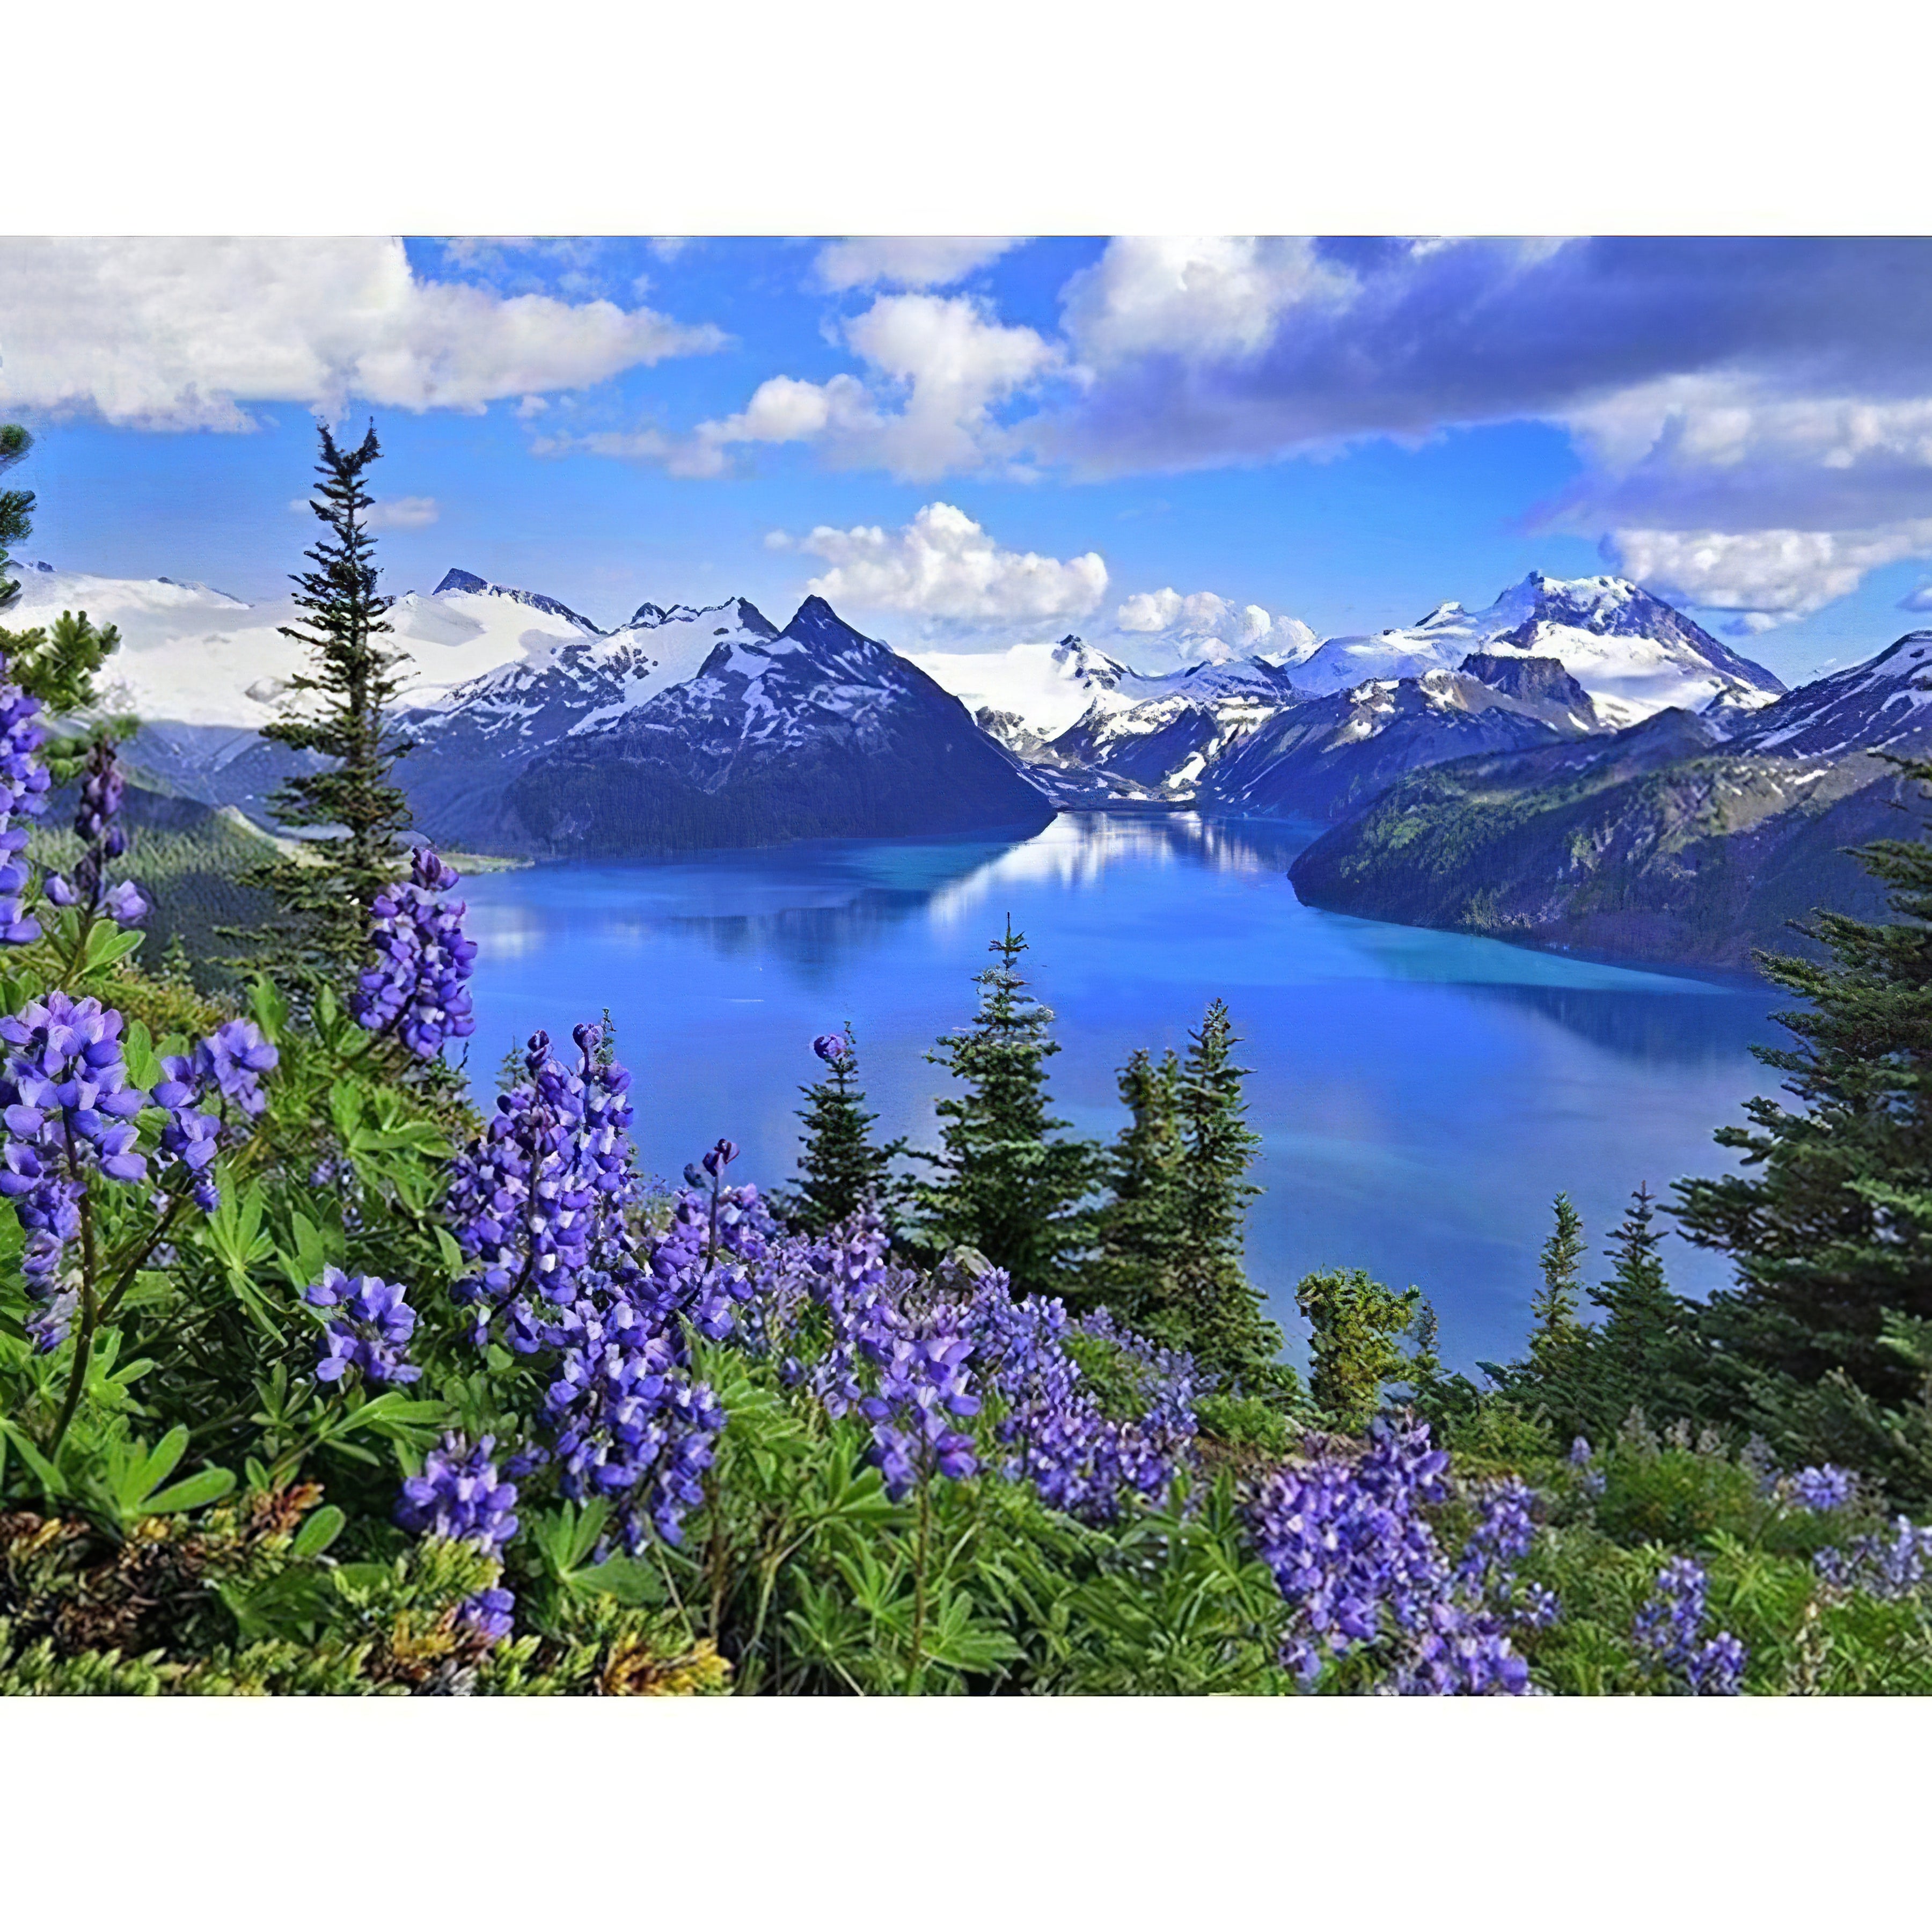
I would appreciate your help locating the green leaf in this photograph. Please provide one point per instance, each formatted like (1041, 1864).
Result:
(137, 1050)
(319, 1530)
(204, 1486)
(158, 1464)
(270, 1008)
(108, 944)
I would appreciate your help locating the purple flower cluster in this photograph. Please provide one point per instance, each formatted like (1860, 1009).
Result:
(1082, 1460)
(103, 840)
(831, 1047)
(1820, 1490)
(70, 1111)
(924, 1386)
(1362, 1571)
(418, 988)
(224, 1072)
(543, 1203)
(1890, 1566)
(1669, 1629)
(458, 1496)
(23, 786)
(371, 1329)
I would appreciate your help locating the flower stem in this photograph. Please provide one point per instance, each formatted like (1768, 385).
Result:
(83, 1346)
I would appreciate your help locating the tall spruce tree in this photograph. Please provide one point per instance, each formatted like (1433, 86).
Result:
(17, 509)
(1006, 1181)
(1220, 1309)
(325, 893)
(840, 1167)
(1140, 1227)
(54, 662)
(1558, 1334)
(1829, 1224)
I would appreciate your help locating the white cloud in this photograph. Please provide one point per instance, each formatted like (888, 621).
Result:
(404, 513)
(946, 569)
(186, 333)
(906, 261)
(389, 513)
(1770, 577)
(938, 367)
(1204, 625)
(1918, 598)
(1197, 298)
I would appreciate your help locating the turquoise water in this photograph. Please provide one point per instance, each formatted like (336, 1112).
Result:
(1422, 1096)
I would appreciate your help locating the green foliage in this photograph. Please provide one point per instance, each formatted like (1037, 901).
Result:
(1135, 1271)
(840, 1167)
(1005, 1182)
(1557, 1333)
(16, 507)
(1829, 1225)
(1356, 1325)
(356, 812)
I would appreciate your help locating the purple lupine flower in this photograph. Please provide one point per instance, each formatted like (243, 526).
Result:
(23, 787)
(1821, 1489)
(103, 839)
(419, 988)
(1669, 1629)
(718, 1158)
(830, 1047)
(924, 1385)
(540, 1203)
(1362, 1571)
(1891, 1567)
(232, 1059)
(459, 1496)
(370, 1332)
(489, 1614)
(70, 1112)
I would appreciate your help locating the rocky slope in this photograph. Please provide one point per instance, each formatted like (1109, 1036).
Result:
(1328, 757)
(1681, 838)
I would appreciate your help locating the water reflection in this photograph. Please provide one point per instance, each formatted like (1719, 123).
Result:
(1421, 1095)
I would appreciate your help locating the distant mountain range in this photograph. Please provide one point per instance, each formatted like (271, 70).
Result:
(1578, 764)
(1689, 838)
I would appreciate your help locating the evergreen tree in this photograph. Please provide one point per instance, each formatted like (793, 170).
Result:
(1641, 1356)
(1355, 1324)
(324, 892)
(1140, 1227)
(1220, 1309)
(1829, 1225)
(55, 663)
(840, 1167)
(1557, 1333)
(1006, 1182)
(16, 507)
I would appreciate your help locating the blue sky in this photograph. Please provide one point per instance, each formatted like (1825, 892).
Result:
(1343, 433)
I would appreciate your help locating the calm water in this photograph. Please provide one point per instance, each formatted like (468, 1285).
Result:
(1422, 1096)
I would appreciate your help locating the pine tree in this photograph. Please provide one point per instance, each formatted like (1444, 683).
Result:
(1006, 1182)
(325, 892)
(55, 663)
(1829, 1225)
(1355, 1324)
(1641, 1356)
(840, 1167)
(1140, 1227)
(1558, 1334)
(16, 507)
(1221, 1310)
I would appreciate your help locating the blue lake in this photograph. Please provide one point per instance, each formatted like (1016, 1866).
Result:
(1422, 1096)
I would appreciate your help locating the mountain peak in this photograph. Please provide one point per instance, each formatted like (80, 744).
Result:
(740, 611)
(816, 622)
(466, 582)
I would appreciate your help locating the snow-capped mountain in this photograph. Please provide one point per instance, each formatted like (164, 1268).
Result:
(1885, 701)
(813, 731)
(1328, 757)
(1026, 695)
(1631, 652)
